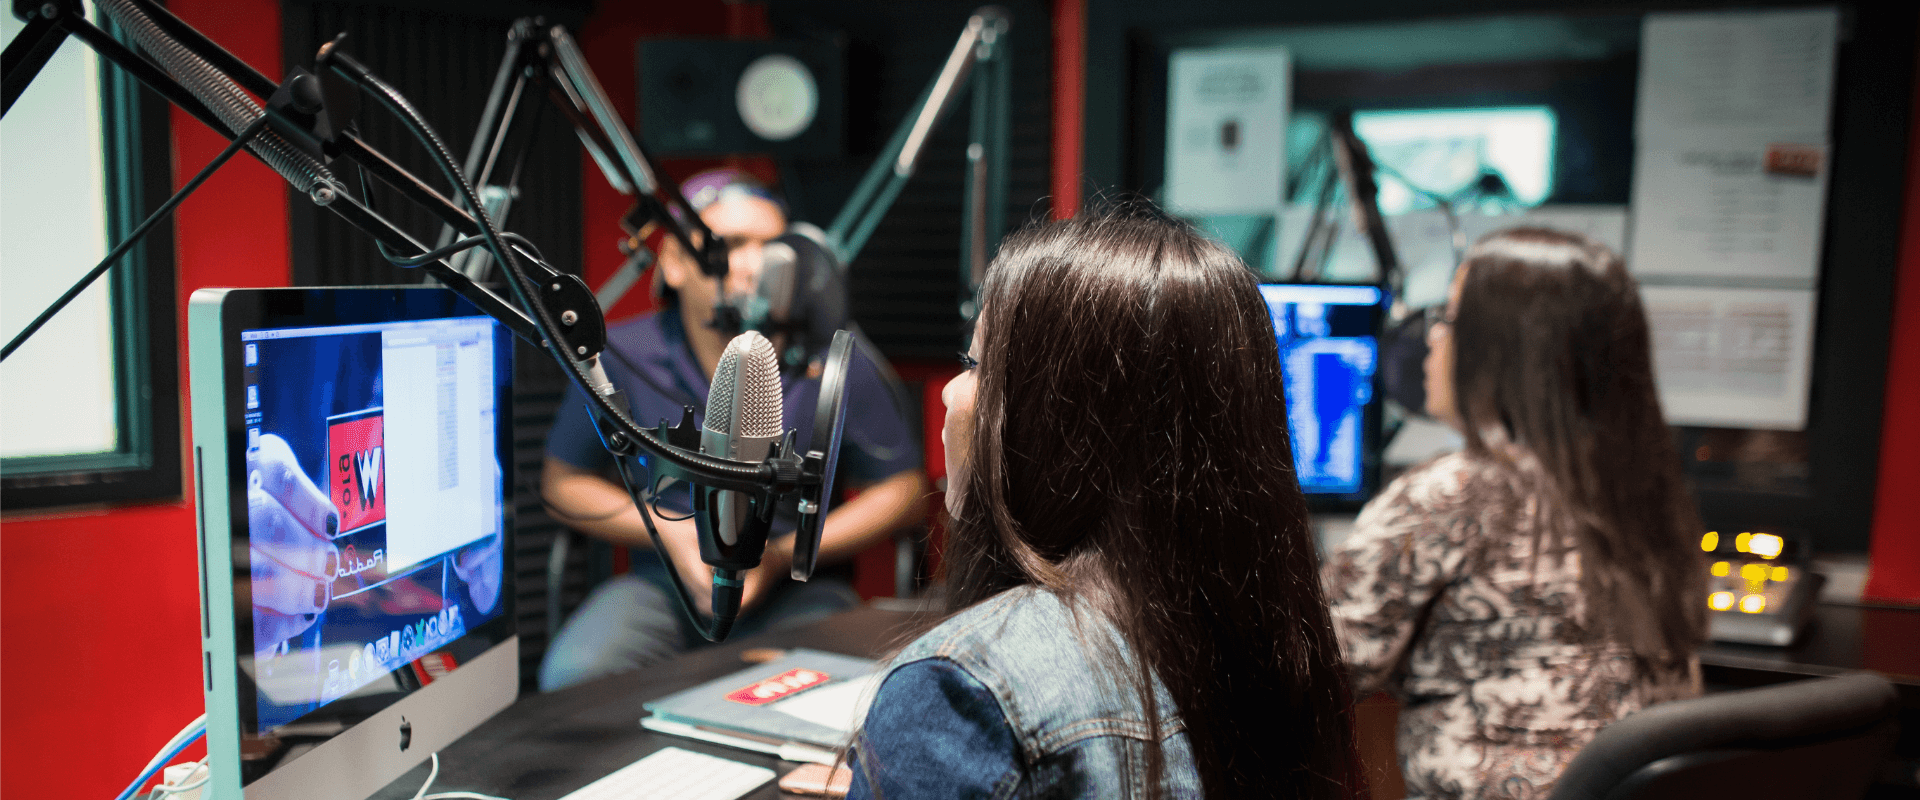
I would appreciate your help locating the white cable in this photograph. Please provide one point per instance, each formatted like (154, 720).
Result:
(199, 723)
(192, 729)
(165, 790)
(434, 772)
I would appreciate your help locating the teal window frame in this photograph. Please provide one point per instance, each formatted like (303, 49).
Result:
(145, 461)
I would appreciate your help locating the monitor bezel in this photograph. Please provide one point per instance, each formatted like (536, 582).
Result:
(1373, 418)
(362, 756)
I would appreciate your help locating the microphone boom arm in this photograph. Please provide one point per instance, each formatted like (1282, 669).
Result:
(543, 58)
(982, 45)
(573, 338)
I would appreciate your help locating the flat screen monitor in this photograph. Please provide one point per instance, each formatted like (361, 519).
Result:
(351, 454)
(1329, 336)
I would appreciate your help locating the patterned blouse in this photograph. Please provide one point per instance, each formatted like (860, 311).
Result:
(1439, 599)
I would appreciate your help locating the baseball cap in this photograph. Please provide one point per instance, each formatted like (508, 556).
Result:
(711, 186)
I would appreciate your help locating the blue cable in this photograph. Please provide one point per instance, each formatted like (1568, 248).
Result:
(160, 764)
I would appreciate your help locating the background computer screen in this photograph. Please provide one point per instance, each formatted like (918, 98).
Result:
(358, 442)
(1329, 349)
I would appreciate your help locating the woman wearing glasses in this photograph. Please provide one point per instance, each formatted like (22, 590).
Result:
(1522, 593)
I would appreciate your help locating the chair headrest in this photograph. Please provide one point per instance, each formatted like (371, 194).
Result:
(1802, 712)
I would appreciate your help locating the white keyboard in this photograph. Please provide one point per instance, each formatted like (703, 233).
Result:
(676, 774)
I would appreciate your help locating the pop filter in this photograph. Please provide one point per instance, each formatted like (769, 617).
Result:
(1403, 362)
(824, 449)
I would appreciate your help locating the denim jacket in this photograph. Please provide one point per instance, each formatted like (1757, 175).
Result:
(1003, 701)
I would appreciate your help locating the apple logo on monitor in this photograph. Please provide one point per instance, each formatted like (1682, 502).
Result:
(406, 734)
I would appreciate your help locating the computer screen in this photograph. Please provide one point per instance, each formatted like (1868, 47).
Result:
(358, 442)
(1329, 352)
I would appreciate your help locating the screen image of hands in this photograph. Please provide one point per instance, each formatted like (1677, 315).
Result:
(292, 525)
(479, 567)
(296, 560)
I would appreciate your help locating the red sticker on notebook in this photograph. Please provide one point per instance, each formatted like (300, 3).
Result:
(784, 684)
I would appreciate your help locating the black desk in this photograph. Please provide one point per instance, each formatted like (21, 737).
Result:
(546, 745)
(1841, 639)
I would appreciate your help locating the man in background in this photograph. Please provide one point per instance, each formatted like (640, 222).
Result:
(665, 360)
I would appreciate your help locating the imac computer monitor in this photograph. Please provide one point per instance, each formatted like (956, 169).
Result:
(351, 454)
(1329, 350)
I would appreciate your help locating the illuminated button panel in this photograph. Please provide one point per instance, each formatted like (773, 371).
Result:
(1750, 579)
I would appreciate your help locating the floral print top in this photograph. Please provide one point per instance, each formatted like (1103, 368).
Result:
(1449, 595)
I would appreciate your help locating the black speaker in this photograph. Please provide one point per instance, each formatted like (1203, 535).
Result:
(716, 97)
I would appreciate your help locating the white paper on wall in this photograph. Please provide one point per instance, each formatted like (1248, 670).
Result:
(1725, 210)
(1732, 357)
(1767, 75)
(1226, 130)
(1729, 199)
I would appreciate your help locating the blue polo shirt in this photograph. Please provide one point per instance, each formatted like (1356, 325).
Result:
(650, 360)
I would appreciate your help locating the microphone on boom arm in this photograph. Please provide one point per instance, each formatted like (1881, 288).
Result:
(744, 423)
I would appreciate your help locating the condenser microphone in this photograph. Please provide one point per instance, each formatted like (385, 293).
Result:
(743, 419)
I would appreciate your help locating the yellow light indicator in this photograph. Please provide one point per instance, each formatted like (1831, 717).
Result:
(1720, 601)
(1753, 572)
(1740, 542)
(1720, 569)
(1779, 573)
(1753, 603)
(1710, 541)
(1766, 545)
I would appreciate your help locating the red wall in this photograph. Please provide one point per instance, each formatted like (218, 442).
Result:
(1894, 568)
(1069, 102)
(100, 608)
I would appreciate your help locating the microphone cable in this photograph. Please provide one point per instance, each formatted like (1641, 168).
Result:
(727, 584)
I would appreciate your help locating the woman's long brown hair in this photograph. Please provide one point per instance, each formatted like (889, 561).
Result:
(1553, 375)
(1130, 453)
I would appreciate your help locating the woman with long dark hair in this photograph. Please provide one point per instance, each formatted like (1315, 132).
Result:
(1524, 592)
(1134, 595)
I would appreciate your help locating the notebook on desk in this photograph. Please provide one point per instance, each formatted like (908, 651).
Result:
(802, 706)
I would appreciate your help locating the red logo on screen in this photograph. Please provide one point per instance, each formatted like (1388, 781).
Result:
(782, 685)
(357, 459)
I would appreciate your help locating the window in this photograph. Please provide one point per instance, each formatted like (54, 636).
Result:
(1470, 156)
(89, 407)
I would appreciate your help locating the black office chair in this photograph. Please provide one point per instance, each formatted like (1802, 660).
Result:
(1818, 738)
